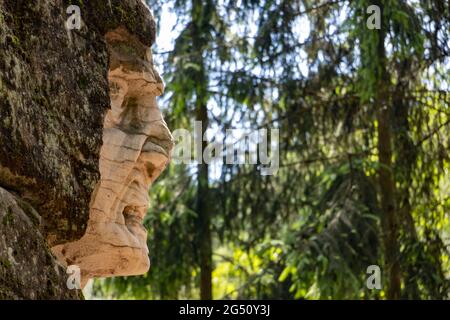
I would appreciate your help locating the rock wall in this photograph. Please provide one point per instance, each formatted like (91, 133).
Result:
(28, 270)
(54, 98)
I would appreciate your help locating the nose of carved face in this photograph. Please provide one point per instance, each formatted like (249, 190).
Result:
(136, 148)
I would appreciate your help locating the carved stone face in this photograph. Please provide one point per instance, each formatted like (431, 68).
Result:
(136, 148)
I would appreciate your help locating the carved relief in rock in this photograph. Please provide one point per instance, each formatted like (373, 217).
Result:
(136, 148)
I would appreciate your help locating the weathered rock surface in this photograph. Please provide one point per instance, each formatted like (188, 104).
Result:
(28, 270)
(82, 158)
(53, 99)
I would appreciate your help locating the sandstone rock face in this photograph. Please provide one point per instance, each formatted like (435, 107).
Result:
(28, 270)
(82, 136)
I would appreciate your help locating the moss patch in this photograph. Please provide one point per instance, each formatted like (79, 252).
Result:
(8, 218)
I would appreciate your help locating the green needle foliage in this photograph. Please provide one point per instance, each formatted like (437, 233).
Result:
(358, 111)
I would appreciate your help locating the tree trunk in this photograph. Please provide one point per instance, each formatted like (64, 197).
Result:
(204, 217)
(387, 188)
(386, 175)
(406, 157)
(202, 207)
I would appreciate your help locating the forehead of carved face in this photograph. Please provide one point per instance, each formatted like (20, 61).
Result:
(129, 56)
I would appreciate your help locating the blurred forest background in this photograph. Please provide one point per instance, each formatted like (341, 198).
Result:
(364, 175)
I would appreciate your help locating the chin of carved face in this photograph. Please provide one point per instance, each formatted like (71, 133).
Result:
(136, 148)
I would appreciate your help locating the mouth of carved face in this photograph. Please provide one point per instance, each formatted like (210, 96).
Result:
(133, 215)
(134, 218)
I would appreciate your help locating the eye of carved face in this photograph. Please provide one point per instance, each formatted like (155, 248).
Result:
(136, 148)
